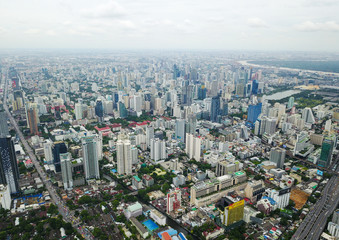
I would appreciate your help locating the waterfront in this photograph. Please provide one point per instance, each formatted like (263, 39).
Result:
(281, 95)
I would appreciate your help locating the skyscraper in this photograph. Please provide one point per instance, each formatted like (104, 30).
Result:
(215, 109)
(191, 124)
(255, 87)
(59, 147)
(253, 113)
(3, 123)
(124, 159)
(99, 110)
(307, 115)
(9, 172)
(180, 130)
(48, 151)
(277, 156)
(202, 92)
(78, 111)
(326, 152)
(290, 102)
(122, 110)
(149, 135)
(33, 122)
(90, 155)
(66, 170)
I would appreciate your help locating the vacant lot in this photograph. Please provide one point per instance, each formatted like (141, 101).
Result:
(299, 198)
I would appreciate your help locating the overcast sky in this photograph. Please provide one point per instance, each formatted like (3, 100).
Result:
(302, 25)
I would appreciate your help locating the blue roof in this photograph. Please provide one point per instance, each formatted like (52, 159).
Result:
(270, 199)
(114, 170)
(170, 231)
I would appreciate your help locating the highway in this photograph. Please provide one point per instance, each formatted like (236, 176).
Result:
(67, 215)
(313, 225)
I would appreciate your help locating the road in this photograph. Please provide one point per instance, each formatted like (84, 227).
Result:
(67, 215)
(314, 223)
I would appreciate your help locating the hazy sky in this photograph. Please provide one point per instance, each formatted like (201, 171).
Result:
(311, 25)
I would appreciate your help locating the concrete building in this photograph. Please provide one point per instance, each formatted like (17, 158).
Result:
(133, 210)
(124, 160)
(193, 146)
(66, 170)
(158, 217)
(277, 155)
(232, 213)
(173, 201)
(158, 150)
(48, 151)
(254, 190)
(90, 156)
(5, 197)
(226, 167)
(281, 197)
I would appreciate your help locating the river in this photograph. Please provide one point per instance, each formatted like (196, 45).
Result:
(281, 95)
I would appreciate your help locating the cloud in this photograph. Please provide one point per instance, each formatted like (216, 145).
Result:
(257, 23)
(51, 33)
(216, 19)
(310, 26)
(32, 31)
(109, 10)
(2, 30)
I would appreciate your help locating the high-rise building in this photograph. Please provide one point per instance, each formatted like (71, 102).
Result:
(9, 172)
(326, 152)
(202, 92)
(232, 212)
(99, 110)
(180, 130)
(158, 150)
(48, 151)
(215, 109)
(281, 197)
(33, 122)
(78, 111)
(66, 170)
(290, 102)
(90, 155)
(191, 124)
(193, 146)
(149, 135)
(253, 113)
(277, 156)
(5, 197)
(122, 110)
(124, 159)
(255, 87)
(3, 123)
(58, 148)
(307, 115)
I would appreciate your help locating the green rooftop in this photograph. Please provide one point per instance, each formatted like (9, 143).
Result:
(137, 178)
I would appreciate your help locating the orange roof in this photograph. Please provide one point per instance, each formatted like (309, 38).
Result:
(166, 236)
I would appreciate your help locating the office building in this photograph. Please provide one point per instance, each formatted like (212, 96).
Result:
(193, 146)
(90, 155)
(99, 110)
(78, 111)
(290, 102)
(58, 148)
(66, 170)
(307, 115)
(48, 144)
(254, 190)
(281, 197)
(277, 156)
(215, 109)
(122, 110)
(180, 130)
(3, 123)
(33, 121)
(253, 113)
(124, 160)
(149, 135)
(9, 172)
(255, 87)
(233, 212)
(326, 152)
(225, 167)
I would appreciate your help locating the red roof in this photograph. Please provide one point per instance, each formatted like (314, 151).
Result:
(102, 129)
